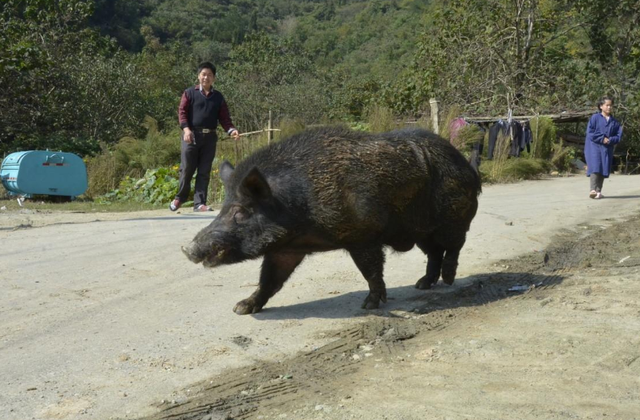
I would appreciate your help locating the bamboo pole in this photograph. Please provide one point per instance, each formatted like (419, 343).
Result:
(269, 129)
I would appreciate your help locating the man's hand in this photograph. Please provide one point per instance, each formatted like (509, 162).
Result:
(235, 134)
(187, 135)
(606, 140)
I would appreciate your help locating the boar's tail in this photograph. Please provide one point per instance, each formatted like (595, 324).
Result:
(474, 161)
(478, 180)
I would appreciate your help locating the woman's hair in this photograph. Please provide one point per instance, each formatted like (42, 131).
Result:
(602, 100)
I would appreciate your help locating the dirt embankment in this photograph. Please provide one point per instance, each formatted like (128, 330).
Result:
(550, 335)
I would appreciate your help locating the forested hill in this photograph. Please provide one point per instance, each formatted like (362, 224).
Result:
(77, 73)
(357, 36)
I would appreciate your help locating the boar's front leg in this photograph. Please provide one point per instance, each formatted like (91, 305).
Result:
(370, 262)
(276, 269)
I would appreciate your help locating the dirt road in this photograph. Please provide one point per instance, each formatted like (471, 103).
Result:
(101, 317)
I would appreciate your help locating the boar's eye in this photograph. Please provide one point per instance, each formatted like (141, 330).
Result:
(241, 214)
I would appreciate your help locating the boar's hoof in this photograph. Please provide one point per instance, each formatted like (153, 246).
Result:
(373, 300)
(449, 273)
(188, 251)
(425, 283)
(247, 306)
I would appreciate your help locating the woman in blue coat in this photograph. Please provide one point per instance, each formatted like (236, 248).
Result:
(603, 133)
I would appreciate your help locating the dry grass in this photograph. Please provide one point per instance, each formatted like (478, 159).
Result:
(289, 127)
(512, 170)
(543, 132)
(496, 167)
(81, 205)
(562, 157)
(468, 136)
(381, 119)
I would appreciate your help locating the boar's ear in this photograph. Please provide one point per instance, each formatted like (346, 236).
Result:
(255, 186)
(226, 170)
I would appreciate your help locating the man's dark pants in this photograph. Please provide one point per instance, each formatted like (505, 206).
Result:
(197, 156)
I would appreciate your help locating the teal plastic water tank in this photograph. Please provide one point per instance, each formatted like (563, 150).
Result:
(44, 173)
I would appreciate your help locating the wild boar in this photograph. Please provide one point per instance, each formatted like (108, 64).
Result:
(333, 188)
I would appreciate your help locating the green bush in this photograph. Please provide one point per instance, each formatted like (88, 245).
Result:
(155, 150)
(157, 186)
(132, 158)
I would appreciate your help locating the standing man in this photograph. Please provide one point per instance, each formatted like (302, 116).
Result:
(603, 133)
(200, 110)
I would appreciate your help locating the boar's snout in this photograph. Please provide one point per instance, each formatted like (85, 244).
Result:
(193, 253)
(209, 255)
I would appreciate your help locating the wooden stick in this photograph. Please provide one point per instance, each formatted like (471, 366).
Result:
(259, 131)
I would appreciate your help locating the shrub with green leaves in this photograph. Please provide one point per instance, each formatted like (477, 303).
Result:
(132, 157)
(157, 186)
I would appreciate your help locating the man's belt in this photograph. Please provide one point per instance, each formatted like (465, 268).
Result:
(204, 130)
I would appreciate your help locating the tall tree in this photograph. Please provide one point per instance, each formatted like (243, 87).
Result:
(64, 86)
(273, 75)
(613, 30)
(497, 53)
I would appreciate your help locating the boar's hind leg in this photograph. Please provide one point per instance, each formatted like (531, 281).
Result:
(370, 262)
(276, 269)
(450, 265)
(454, 243)
(435, 255)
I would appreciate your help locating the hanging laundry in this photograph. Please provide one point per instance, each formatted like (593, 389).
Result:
(501, 126)
(476, 153)
(517, 139)
(527, 136)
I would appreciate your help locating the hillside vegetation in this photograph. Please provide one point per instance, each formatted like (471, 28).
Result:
(80, 75)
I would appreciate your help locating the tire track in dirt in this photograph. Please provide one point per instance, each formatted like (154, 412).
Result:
(241, 393)
(274, 384)
(244, 393)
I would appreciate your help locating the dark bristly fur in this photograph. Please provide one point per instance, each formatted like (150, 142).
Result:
(333, 188)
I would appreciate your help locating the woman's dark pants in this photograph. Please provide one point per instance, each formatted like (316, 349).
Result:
(596, 181)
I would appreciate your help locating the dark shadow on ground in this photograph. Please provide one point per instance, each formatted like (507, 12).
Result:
(195, 216)
(192, 217)
(620, 197)
(479, 289)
